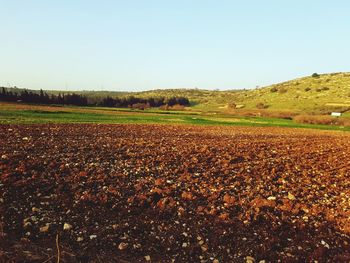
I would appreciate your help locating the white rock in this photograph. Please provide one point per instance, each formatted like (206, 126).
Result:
(271, 198)
(67, 226)
(79, 239)
(93, 236)
(324, 244)
(147, 258)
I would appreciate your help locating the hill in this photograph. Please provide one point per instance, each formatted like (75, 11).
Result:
(317, 94)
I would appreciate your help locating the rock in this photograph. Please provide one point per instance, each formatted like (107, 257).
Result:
(4, 156)
(216, 261)
(45, 228)
(93, 237)
(291, 196)
(35, 209)
(324, 244)
(122, 246)
(184, 244)
(147, 258)
(79, 239)
(262, 261)
(249, 259)
(271, 198)
(25, 138)
(204, 248)
(26, 224)
(67, 226)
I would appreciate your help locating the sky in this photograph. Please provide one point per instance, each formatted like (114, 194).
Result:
(135, 45)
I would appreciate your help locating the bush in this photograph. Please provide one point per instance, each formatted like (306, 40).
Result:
(140, 106)
(321, 119)
(307, 89)
(232, 105)
(282, 90)
(274, 89)
(261, 105)
(315, 75)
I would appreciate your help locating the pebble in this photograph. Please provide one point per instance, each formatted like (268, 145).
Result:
(35, 209)
(184, 244)
(67, 226)
(147, 258)
(324, 244)
(291, 197)
(122, 246)
(45, 228)
(93, 236)
(271, 198)
(204, 248)
(4, 156)
(79, 239)
(250, 259)
(216, 261)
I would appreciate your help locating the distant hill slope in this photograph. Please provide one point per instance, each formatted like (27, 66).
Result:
(318, 94)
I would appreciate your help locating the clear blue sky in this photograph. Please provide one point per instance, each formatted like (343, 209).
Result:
(148, 44)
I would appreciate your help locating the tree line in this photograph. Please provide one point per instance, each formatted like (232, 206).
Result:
(42, 97)
(150, 102)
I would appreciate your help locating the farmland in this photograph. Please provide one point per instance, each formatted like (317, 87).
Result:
(20, 113)
(163, 193)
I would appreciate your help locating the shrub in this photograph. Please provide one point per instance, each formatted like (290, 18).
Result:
(307, 89)
(232, 105)
(321, 119)
(140, 106)
(274, 89)
(315, 75)
(261, 105)
(282, 90)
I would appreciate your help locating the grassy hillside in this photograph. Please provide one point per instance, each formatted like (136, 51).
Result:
(313, 94)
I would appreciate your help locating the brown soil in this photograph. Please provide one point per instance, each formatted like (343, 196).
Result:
(129, 193)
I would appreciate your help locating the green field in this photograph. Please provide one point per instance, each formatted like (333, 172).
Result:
(31, 114)
(313, 98)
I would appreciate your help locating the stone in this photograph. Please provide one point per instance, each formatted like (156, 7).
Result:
(79, 239)
(93, 237)
(45, 228)
(122, 246)
(249, 259)
(67, 226)
(147, 258)
(291, 196)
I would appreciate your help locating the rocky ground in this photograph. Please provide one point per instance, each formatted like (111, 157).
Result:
(129, 193)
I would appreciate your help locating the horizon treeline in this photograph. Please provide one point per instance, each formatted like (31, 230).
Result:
(42, 97)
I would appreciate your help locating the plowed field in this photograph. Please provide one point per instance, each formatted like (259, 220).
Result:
(129, 193)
